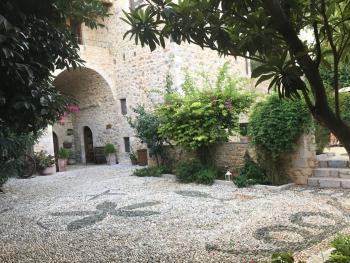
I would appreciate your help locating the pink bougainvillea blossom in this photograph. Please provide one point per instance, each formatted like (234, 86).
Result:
(70, 108)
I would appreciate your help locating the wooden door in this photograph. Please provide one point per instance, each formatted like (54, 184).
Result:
(89, 145)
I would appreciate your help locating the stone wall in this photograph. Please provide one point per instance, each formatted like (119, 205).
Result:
(229, 156)
(117, 69)
(300, 164)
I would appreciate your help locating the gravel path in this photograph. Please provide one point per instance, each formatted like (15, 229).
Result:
(102, 214)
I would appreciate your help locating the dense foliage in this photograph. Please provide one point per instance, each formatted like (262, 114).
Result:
(146, 125)
(148, 172)
(340, 253)
(268, 32)
(34, 41)
(199, 117)
(43, 160)
(12, 147)
(275, 125)
(251, 173)
(195, 172)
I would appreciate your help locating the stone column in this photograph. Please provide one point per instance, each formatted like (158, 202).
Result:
(300, 164)
(45, 142)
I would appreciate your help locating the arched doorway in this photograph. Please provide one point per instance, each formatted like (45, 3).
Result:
(87, 128)
(55, 148)
(89, 145)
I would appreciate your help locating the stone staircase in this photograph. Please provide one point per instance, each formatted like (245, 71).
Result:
(333, 171)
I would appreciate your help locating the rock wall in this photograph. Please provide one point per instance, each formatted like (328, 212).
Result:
(300, 164)
(117, 69)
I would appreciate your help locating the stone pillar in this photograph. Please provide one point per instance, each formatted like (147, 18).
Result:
(300, 164)
(45, 142)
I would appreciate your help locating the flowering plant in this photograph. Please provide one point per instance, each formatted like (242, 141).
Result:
(69, 109)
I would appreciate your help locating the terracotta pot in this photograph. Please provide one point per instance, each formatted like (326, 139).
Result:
(48, 170)
(62, 165)
(111, 159)
(72, 161)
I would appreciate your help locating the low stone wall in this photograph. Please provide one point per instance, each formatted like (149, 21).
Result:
(229, 156)
(298, 166)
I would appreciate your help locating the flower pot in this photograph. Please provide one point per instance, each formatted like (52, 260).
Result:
(48, 170)
(71, 161)
(133, 161)
(111, 159)
(62, 165)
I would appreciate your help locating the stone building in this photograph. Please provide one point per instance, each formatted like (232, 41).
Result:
(117, 76)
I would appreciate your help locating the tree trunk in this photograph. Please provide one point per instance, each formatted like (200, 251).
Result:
(321, 110)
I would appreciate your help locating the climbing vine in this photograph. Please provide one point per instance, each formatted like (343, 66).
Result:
(275, 125)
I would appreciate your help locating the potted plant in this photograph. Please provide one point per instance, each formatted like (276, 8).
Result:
(45, 163)
(133, 157)
(71, 158)
(63, 155)
(110, 151)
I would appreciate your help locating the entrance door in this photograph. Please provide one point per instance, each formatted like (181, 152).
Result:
(89, 146)
(55, 148)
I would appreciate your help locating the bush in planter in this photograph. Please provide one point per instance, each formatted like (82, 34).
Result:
(148, 172)
(110, 151)
(109, 148)
(63, 153)
(43, 160)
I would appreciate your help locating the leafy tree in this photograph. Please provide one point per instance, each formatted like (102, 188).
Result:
(199, 117)
(35, 40)
(146, 125)
(265, 31)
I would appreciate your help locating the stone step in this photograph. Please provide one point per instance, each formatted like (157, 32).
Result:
(333, 163)
(332, 172)
(329, 182)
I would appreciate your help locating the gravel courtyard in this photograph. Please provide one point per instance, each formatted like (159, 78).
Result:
(102, 214)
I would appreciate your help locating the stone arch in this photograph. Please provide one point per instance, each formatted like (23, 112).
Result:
(97, 105)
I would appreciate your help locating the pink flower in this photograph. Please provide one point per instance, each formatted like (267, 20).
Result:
(228, 105)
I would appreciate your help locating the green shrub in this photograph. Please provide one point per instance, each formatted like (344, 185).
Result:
(63, 153)
(186, 172)
(251, 173)
(274, 128)
(321, 137)
(205, 176)
(43, 160)
(165, 169)
(195, 172)
(109, 148)
(341, 252)
(148, 172)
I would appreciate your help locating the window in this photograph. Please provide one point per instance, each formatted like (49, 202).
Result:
(135, 3)
(127, 144)
(123, 106)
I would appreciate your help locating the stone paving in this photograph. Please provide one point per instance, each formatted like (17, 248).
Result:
(102, 214)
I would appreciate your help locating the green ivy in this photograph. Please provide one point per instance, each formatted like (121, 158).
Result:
(275, 125)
